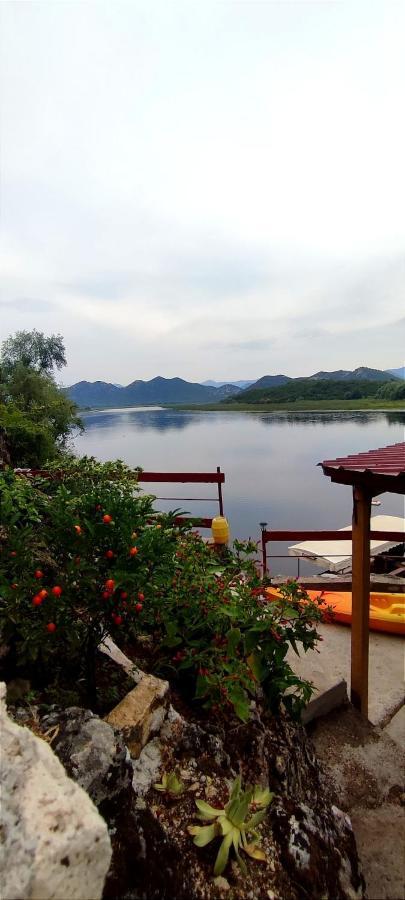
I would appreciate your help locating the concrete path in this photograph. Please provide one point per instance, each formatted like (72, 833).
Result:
(364, 767)
(332, 664)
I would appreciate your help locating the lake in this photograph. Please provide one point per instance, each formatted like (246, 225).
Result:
(269, 459)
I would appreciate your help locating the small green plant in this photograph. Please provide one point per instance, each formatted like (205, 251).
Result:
(171, 785)
(239, 818)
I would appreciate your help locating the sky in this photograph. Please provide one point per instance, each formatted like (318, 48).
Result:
(209, 189)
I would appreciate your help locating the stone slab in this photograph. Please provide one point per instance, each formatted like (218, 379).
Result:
(330, 690)
(140, 714)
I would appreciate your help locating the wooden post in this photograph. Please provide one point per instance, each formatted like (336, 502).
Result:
(360, 597)
(220, 500)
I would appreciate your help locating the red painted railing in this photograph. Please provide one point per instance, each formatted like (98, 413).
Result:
(302, 535)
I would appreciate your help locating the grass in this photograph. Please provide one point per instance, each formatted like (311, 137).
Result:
(361, 405)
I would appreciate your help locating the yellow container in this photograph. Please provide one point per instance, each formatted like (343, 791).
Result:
(220, 530)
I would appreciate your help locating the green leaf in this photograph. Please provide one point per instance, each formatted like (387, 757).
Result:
(256, 819)
(255, 852)
(223, 855)
(234, 637)
(261, 796)
(206, 810)
(203, 835)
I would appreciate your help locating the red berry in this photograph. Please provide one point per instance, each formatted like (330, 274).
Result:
(14, 586)
(138, 607)
(57, 590)
(38, 573)
(110, 584)
(133, 551)
(37, 600)
(141, 597)
(77, 529)
(51, 627)
(124, 595)
(98, 507)
(117, 620)
(106, 595)
(43, 593)
(77, 560)
(109, 554)
(107, 519)
(13, 553)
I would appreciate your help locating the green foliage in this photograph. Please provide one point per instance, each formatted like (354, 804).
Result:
(56, 528)
(304, 389)
(219, 635)
(29, 443)
(170, 785)
(34, 351)
(392, 390)
(36, 416)
(119, 567)
(240, 817)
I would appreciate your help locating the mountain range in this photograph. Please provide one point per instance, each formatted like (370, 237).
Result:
(160, 390)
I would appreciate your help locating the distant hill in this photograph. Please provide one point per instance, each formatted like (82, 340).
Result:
(362, 372)
(400, 373)
(304, 389)
(217, 384)
(269, 381)
(138, 393)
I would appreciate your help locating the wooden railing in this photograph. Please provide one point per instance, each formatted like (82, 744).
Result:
(304, 535)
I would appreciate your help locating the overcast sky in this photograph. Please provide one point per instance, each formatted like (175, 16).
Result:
(205, 189)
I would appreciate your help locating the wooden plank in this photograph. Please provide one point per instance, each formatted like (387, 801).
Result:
(194, 521)
(360, 598)
(184, 477)
(340, 535)
(179, 477)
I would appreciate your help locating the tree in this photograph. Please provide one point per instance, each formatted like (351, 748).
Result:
(33, 350)
(36, 416)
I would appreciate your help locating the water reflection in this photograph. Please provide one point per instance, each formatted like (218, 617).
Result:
(157, 419)
(269, 460)
(161, 419)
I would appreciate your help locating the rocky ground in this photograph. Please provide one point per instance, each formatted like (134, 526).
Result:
(308, 841)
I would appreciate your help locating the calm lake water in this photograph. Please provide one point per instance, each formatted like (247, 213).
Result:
(270, 462)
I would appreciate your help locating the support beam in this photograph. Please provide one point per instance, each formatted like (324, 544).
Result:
(360, 597)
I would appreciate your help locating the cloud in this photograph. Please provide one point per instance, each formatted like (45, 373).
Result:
(26, 304)
(188, 206)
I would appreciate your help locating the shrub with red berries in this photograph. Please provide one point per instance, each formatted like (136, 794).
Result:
(214, 630)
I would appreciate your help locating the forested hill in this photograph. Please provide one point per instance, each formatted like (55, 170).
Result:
(301, 389)
(157, 391)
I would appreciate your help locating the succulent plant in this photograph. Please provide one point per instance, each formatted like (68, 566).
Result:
(170, 784)
(238, 819)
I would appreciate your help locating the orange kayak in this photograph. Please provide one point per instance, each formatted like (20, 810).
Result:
(387, 611)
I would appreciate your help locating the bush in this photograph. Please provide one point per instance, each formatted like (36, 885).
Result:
(84, 554)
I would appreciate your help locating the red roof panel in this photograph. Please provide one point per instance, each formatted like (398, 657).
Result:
(383, 461)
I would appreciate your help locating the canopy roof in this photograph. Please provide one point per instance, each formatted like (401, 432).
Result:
(377, 470)
(336, 556)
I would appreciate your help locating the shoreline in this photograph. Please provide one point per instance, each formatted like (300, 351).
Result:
(304, 406)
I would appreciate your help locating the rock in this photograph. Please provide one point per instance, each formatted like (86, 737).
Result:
(110, 649)
(54, 842)
(141, 713)
(92, 753)
(309, 845)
